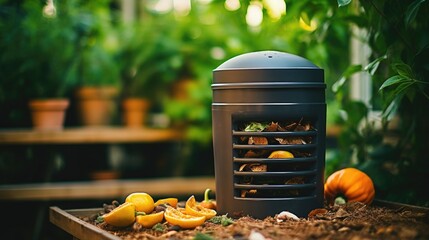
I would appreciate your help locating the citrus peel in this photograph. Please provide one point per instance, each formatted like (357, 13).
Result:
(194, 209)
(170, 201)
(176, 217)
(150, 220)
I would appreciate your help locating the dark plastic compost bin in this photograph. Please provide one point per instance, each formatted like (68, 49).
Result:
(269, 124)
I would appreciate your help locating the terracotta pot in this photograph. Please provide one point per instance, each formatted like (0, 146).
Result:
(181, 89)
(96, 105)
(135, 111)
(48, 114)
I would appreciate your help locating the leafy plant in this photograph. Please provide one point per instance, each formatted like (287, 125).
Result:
(148, 58)
(397, 37)
(93, 63)
(37, 50)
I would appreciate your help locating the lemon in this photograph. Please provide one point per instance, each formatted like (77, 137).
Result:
(122, 216)
(281, 154)
(142, 201)
(150, 220)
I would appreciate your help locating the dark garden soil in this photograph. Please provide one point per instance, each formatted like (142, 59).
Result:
(351, 221)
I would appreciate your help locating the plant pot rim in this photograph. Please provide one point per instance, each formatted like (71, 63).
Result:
(135, 103)
(49, 103)
(97, 92)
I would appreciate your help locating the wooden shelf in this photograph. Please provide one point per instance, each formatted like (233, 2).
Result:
(88, 135)
(106, 189)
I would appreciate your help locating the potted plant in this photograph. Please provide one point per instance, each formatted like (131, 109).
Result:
(99, 88)
(95, 68)
(148, 60)
(47, 41)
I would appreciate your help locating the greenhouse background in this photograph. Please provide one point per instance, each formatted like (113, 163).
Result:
(374, 55)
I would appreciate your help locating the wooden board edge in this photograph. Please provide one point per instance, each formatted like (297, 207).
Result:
(77, 227)
(397, 206)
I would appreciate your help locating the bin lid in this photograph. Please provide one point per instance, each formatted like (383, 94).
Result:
(266, 60)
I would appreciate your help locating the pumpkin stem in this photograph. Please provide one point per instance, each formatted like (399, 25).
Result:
(340, 200)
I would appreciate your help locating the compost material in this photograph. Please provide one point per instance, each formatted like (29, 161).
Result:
(350, 221)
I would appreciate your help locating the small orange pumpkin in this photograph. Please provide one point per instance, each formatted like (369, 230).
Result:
(350, 183)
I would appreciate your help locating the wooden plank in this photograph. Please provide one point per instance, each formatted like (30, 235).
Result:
(105, 189)
(69, 221)
(77, 227)
(89, 135)
(400, 206)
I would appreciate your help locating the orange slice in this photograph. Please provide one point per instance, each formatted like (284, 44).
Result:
(194, 209)
(150, 220)
(170, 201)
(142, 201)
(281, 154)
(176, 217)
(122, 216)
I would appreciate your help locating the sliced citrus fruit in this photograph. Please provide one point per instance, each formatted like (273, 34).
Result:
(194, 209)
(281, 154)
(150, 220)
(176, 217)
(142, 201)
(170, 201)
(122, 216)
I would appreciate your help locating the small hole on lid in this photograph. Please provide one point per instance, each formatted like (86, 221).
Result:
(270, 56)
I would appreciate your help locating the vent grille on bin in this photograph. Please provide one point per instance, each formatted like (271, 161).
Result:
(274, 159)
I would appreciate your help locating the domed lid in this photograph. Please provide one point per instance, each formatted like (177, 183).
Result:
(266, 60)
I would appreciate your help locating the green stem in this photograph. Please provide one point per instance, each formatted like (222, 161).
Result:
(140, 213)
(206, 195)
(340, 200)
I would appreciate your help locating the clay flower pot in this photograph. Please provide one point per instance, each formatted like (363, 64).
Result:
(135, 111)
(48, 114)
(96, 105)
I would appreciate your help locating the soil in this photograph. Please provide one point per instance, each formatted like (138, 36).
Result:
(350, 221)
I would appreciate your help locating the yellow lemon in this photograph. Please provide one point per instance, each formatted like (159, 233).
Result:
(281, 154)
(150, 220)
(142, 201)
(122, 216)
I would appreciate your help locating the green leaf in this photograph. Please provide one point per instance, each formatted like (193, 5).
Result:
(338, 84)
(356, 111)
(352, 69)
(391, 81)
(342, 3)
(159, 227)
(373, 66)
(306, 18)
(390, 111)
(412, 11)
(255, 127)
(403, 70)
(224, 220)
(202, 236)
(401, 89)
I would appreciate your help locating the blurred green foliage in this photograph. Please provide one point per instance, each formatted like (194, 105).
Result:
(88, 43)
(395, 154)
